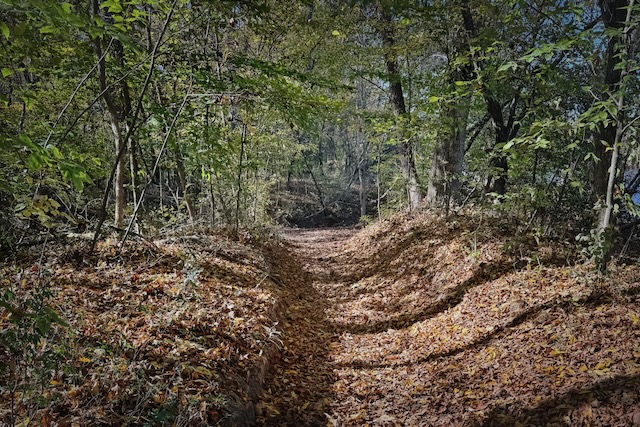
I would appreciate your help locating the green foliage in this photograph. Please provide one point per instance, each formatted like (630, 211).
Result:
(30, 338)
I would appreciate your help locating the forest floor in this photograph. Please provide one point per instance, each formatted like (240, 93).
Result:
(414, 321)
(422, 322)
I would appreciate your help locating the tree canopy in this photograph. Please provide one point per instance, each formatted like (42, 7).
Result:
(125, 122)
(316, 112)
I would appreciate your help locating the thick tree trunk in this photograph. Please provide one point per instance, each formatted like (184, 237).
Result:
(505, 132)
(448, 159)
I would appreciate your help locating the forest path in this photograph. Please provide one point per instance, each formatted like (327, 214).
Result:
(405, 327)
(300, 389)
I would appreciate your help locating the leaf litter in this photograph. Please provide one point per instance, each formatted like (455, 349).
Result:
(433, 322)
(179, 333)
(416, 321)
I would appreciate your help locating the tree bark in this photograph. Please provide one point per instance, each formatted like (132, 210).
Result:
(362, 192)
(616, 14)
(396, 95)
(613, 15)
(448, 159)
(505, 130)
(240, 170)
(114, 121)
(184, 185)
(126, 110)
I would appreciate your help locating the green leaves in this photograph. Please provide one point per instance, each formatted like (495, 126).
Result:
(49, 157)
(601, 113)
(4, 29)
(112, 6)
(511, 65)
(67, 7)
(48, 29)
(74, 173)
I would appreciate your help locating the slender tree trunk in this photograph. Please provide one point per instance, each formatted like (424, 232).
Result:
(240, 164)
(616, 14)
(161, 185)
(184, 185)
(505, 130)
(225, 206)
(255, 197)
(133, 170)
(362, 192)
(316, 184)
(378, 183)
(119, 191)
(396, 96)
(613, 15)
(126, 110)
(213, 203)
(210, 175)
(114, 121)
(134, 116)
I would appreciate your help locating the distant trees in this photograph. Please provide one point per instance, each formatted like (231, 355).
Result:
(365, 106)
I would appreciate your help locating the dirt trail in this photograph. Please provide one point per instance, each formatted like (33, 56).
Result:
(300, 390)
(405, 327)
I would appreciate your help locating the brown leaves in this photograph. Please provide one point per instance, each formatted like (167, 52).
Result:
(173, 330)
(438, 325)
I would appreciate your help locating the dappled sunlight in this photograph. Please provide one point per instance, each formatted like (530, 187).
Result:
(483, 339)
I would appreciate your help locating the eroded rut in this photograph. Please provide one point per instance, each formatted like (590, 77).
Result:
(300, 391)
(405, 327)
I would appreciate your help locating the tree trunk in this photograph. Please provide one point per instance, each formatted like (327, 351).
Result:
(396, 96)
(613, 15)
(616, 14)
(114, 121)
(133, 170)
(184, 186)
(213, 202)
(497, 180)
(448, 159)
(125, 112)
(505, 130)
(362, 192)
(240, 165)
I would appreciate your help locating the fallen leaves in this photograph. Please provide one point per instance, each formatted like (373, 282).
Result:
(415, 321)
(434, 330)
(166, 333)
